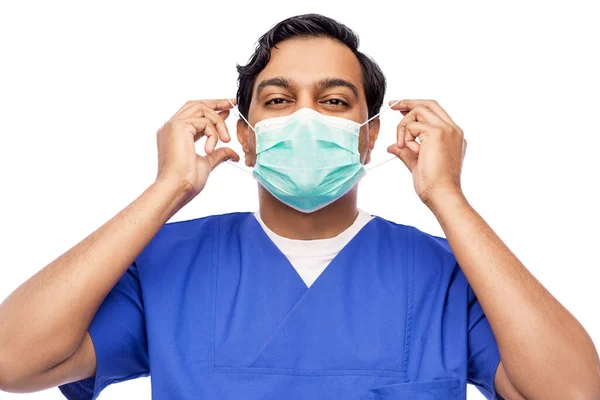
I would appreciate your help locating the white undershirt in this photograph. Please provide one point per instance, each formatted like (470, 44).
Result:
(311, 257)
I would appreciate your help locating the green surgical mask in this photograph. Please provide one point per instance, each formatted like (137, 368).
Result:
(307, 160)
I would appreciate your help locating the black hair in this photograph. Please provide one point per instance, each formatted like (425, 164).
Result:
(309, 25)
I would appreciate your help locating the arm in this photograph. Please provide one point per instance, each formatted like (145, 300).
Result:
(545, 352)
(44, 321)
(43, 324)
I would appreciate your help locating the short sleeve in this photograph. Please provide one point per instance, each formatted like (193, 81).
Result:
(118, 332)
(483, 357)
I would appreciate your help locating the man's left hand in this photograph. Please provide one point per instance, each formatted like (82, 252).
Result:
(435, 161)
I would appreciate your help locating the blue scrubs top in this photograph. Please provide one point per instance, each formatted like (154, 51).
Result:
(213, 310)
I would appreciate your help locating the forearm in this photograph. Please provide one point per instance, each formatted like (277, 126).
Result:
(43, 321)
(546, 353)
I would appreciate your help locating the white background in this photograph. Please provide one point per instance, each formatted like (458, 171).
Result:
(84, 87)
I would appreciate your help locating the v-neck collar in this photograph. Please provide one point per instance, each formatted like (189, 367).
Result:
(263, 237)
(326, 248)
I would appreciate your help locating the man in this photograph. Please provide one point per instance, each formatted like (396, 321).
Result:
(309, 297)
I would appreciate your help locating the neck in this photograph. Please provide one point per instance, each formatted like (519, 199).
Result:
(325, 223)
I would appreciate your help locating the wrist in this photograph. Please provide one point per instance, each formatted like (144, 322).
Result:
(439, 200)
(177, 193)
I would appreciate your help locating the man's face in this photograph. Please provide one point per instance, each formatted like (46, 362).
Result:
(318, 73)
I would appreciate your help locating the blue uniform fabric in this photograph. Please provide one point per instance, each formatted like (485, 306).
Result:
(213, 310)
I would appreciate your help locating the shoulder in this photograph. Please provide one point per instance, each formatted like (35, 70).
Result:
(418, 237)
(190, 234)
(425, 248)
(198, 224)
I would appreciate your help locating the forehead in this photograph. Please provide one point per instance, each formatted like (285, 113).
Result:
(308, 60)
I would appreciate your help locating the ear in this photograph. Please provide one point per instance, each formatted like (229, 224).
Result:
(242, 134)
(373, 134)
(247, 143)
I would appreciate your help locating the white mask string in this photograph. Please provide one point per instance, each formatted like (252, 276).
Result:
(367, 168)
(240, 114)
(388, 108)
(235, 164)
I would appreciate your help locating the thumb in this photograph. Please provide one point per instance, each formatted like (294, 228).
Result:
(408, 157)
(220, 155)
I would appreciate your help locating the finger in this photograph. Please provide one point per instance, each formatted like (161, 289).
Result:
(211, 143)
(432, 105)
(412, 131)
(418, 119)
(212, 137)
(401, 130)
(407, 134)
(219, 123)
(209, 131)
(201, 110)
(408, 157)
(414, 147)
(400, 136)
(224, 114)
(424, 114)
(198, 127)
(217, 105)
(220, 155)
(398, 106)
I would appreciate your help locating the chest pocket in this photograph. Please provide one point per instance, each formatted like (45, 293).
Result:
(444, 389)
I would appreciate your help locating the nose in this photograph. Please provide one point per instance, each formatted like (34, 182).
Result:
(305, 99)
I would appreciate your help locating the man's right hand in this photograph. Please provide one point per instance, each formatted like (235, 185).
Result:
(177, 157)
(44, 338)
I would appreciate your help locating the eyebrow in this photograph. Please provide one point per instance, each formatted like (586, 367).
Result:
(278, 81)
(329, 83)
(323, 84)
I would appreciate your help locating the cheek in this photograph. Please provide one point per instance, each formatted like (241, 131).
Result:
(363, 143)
(363, 139)
(251, 136)
(251, 142)
(250, 148)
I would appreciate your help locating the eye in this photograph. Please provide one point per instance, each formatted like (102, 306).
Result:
(336, 102)
(276, 101)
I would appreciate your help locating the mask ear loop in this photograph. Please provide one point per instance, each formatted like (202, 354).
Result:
(388, 108)
(237, 110)
(245, 120)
